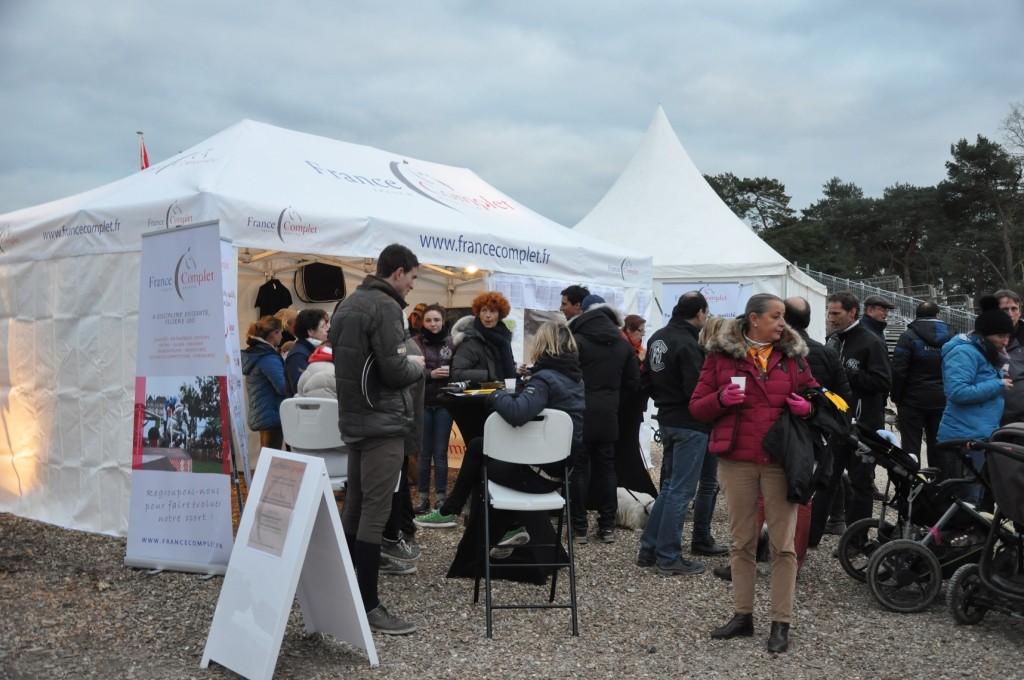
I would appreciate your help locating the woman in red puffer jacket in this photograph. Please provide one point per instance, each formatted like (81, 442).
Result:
(754, 371)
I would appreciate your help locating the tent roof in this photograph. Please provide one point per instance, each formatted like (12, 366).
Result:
(662, 201)
(277, 189)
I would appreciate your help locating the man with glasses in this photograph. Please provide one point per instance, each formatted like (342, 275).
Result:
(1013, 408)
(876, 314)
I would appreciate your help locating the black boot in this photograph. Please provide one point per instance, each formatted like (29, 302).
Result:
(778, 639)
(366, 559)
(739, 625)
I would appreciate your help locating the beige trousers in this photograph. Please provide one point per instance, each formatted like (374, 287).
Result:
(743, 483)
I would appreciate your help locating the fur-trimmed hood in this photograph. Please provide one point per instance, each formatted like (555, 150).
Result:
(730, 341)
(462, 329)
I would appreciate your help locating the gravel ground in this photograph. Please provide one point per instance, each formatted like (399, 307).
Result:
(71, 610)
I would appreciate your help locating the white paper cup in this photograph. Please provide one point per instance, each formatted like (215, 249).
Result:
(510, 384)
(741, 381)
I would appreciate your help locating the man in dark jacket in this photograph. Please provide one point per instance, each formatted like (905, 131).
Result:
(917, 380)
(864, 358)
(1010, 302)
(375, 375)
(572, 301)
(876, 314)
(671, 370)
(1013, 409)
(609, 368)
(828, 371)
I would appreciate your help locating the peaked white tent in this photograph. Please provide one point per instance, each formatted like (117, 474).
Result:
(662, 204)
(69, 282)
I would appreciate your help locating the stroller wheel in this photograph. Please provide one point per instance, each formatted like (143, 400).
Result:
(860, 540)
(904, 576)
(963, 593)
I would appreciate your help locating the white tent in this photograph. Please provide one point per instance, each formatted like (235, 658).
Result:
(661, 204)
(69, 282)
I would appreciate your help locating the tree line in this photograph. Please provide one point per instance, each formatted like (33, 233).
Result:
(962, 236)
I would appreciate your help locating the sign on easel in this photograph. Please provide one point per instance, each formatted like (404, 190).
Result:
(290, 544)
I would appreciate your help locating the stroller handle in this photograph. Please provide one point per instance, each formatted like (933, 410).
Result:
(951, 444)
(1014, 451)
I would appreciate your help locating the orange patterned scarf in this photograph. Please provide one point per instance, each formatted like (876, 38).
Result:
(760, 356)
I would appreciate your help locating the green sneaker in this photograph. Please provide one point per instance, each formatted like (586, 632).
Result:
(435, 520)
(508, 543)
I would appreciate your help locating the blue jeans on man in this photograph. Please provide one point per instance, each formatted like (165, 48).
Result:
(704, 501)
(681, 468)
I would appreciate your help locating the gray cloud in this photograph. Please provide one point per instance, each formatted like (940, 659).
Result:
(547, 101)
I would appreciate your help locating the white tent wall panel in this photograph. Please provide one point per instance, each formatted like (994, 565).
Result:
(68, 389)
(67, 385)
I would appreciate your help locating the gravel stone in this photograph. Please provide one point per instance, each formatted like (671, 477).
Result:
(72, 610)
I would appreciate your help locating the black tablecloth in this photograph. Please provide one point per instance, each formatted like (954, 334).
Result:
(470, 411)
(466, 562)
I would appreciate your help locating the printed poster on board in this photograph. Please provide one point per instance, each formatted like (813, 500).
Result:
(725, 298)
(180, 512)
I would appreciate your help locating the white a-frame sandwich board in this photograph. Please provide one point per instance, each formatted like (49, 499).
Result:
(290, 543)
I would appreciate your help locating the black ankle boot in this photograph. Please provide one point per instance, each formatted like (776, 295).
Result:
(778, 639)
(739, 625)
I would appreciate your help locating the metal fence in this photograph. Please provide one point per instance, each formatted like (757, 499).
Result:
(960, 319)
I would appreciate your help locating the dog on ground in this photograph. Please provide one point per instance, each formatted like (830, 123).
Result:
(634, 508)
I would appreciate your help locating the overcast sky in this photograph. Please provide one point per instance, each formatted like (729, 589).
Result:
(547, 101)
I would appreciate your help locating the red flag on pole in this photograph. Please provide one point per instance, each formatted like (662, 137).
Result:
(143, 156)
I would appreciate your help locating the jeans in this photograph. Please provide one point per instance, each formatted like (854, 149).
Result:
(704, 501)
(437, 429)
(681, 466)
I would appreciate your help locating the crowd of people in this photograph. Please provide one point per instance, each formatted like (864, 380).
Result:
(723, 389)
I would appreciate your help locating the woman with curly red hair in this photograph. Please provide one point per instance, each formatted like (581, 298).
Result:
(483, 349)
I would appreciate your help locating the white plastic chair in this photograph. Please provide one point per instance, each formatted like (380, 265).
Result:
(546, 439)
(310, 426)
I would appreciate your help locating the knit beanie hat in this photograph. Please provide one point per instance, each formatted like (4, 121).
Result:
(992, 320)
(590, 301)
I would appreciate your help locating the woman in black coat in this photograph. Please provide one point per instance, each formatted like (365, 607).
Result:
(483, 344)
(610, 369)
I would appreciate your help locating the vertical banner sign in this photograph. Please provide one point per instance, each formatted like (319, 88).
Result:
(236, 402)
(180, 513)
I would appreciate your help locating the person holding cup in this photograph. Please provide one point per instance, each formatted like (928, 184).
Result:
(436, 344)
(768, 356)
(483, 344)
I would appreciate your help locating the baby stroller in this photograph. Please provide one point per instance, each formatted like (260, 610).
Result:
(996, 581)
(934, 534)
(860, 540)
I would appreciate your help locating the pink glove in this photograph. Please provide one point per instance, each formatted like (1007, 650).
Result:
(798, 405)
(732, 395)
